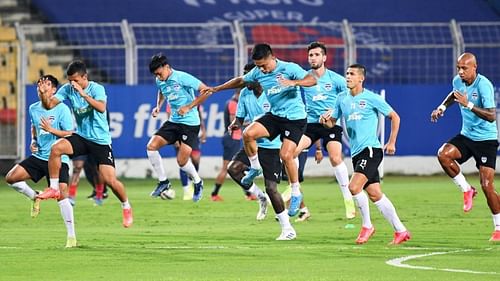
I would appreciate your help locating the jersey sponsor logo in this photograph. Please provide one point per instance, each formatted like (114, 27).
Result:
(328, 86)
(319, 96)
(362, 104)
(354, 116)
(172, 97)
(274, 90)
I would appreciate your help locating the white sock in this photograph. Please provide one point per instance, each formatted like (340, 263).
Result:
(343, 179)
(496, 221)
(255, 190)
(387, 209)
(54, 183)
(157, 163)
(67, 215)
(364, 208)
(191, 171)
(295, 188)
(186, 188)
(461, 182)
(24, 188)
(284, 219)
(126, 205)
(254, 161)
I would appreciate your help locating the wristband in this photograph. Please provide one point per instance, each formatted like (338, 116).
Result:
(442, 107)
(470, 105)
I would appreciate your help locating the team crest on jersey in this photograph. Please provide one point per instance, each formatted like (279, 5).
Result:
(474, 96)
(184, 137)
(484, 159)
(266, 106)
(362, 104)
(328, 86)
(279, 76)
(177, 87)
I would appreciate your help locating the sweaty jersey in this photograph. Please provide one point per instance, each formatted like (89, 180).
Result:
(285, 102)
(90, 123)
(60, 118)
(322, 96)
(251, 108)
(179, 90)
(481, 94)
(361, 117)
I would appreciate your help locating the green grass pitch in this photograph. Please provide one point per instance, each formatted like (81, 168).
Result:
(182, 240)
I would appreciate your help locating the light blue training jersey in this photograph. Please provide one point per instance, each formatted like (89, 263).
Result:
(322, 96)
(60, 118)
(482, 95)
(90, 123)
(285, 102)
(179, 90)
(251, 108)
(361, 116)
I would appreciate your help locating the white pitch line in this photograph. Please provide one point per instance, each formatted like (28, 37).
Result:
(398, 262)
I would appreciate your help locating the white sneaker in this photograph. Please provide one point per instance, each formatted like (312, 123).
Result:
(261, 215)
(303, 216)
(287, 234)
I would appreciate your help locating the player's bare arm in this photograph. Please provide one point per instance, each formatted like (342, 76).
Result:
(488, 114)
(236, 124)
(98, 105)
(159, 103)
(307, 81)
(439, 111)
(33, 145)
(46, 126)
(197, 101)
(390, 147)
(326, 119)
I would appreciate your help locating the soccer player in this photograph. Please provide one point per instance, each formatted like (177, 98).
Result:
(318, 99)
(251, 105)
(88, 101)
(195, 156)
(478, 137)
(360, 108)
(47, 125)
(179, 89)
(280, 81)
(231, 143)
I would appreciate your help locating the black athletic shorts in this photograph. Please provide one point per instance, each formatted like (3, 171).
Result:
(316, 131)
(287, 129)
(230, 147)
(484, 152)
(173, 132)
(269, 160)
(366, 162)
(101, 153)
(38, 168)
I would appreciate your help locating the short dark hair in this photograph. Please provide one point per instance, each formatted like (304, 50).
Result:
(315, 45)
(261, 51)
(76, 66)
(249, 66)
(361, 67)
(157, 61)
(53, 80)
